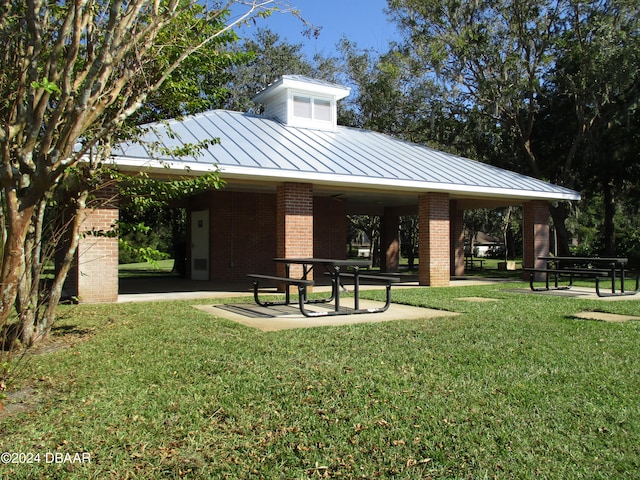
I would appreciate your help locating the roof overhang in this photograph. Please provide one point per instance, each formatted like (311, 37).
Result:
(330, 182)
(293, 82)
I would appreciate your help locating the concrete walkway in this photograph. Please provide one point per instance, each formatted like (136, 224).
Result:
(583, 293)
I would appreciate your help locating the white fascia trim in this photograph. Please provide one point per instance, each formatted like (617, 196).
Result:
(336, 91)
(165, 165)
(255, 173)
(391, 184)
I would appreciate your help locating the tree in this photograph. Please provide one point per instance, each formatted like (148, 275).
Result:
(391, 96)
(598, 72)
(73, 73)
(269, 57)
(409, 235)
(497, 60)
(369, 225)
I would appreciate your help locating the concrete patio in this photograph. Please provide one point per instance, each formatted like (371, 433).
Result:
(282, 317)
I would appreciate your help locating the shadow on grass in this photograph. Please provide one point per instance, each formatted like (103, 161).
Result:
(66, 330)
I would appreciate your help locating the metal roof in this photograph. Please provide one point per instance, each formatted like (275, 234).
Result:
(255, 148)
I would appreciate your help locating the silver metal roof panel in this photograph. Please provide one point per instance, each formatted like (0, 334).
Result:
(257, 148)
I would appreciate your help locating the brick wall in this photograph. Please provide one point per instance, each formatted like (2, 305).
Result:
(241, 232)
(535, 233)
(329, 227)
(434, 243)
(249, 229)
(95, 275)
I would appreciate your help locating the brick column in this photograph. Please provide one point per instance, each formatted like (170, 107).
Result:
(390, 241)
(294, 223)
(95, 275)
(434, 243)
(535, 232)
(457, 239)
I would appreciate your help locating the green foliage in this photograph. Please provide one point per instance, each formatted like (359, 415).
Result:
(392, 96)
(138, 242)
(145, 191)
(268, 57)
(128, 253)
(587, 225)
(363, 228)
(150, 233)
(503, 223)
(49, 87)
(149, 228)
(199, 84)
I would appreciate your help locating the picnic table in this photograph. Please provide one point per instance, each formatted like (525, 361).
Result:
(338, 270)
(595, 267)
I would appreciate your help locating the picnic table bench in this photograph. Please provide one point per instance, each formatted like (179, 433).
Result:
(471, 262)
(333, 268)
(386, 280)
(301, 283)
(597, 268)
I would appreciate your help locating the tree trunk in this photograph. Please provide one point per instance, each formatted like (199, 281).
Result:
(609, 230)
(559, 214)
(13, 258)
(28, 298)
(375, 250)
(411, 257)
(505, 231)
(46, 322)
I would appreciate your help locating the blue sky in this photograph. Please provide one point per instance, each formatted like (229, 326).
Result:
(362, 21)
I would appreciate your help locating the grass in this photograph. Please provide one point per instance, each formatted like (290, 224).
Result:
(159, 268)
(515, 388)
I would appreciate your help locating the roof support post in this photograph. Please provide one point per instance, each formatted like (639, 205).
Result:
(457, 238)
(93, 277)
(434, 248)
(535, 232)
(294, 224)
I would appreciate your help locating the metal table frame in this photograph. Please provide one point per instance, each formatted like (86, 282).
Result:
(334, 268)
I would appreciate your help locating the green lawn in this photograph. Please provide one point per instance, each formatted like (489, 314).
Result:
(510, 389)
(159, 268)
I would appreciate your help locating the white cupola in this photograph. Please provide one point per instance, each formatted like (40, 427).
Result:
(301, 101)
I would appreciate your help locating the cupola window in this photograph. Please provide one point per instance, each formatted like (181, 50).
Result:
(311, 108)
(302, 107)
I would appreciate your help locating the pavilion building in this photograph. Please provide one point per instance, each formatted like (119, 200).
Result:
(293, 175)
